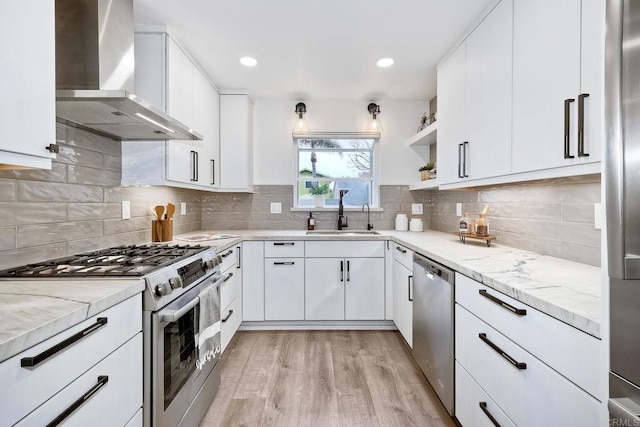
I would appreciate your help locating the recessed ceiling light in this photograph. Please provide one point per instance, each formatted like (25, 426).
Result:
(384, 62)
(248, 61)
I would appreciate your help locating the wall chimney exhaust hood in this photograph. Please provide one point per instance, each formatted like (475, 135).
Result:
(95, 74)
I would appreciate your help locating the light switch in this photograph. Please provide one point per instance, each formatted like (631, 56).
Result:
(416, 209)
(458, 209)
(126, 209)
(597, 216)
(276, 207)
(183, 208)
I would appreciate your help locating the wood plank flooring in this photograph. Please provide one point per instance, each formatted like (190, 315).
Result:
(323, 378)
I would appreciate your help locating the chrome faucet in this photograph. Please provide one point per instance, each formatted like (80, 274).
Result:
(342, 220)
(369, 225)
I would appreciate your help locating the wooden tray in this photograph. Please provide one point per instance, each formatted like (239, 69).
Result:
(465, 236)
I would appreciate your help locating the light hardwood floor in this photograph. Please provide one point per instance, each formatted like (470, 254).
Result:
(323, 378)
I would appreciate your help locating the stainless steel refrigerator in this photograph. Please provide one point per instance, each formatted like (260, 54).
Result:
(622, 188)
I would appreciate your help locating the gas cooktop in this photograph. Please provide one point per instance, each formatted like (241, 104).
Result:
(117, 261)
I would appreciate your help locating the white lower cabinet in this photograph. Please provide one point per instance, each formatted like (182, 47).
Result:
(324, 288)
(253, 281)
(136, 421)
(39, 385)
(230, 294)
(284, 289)
(402, 301)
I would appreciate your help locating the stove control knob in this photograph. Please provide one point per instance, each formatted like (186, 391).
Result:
(175, 282)
(213, 263)
(163, 289)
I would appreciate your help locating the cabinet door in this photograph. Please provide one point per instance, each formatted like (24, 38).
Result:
(324, 288)
(205, 118)
(364, 289)
(236, 139)
(27, 106)
(546, 72)
(402, 305)
(451, 115)
(284, 289)
(179, 83)
(253, 281)
(488, 94)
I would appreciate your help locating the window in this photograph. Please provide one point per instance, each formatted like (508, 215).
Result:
(335, 164)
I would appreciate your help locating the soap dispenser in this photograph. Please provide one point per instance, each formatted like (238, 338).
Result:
(311, 222)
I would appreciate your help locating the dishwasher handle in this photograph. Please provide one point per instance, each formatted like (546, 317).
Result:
(433, 268)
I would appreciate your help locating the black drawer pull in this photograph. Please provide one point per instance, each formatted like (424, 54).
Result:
(483, 406)
(514, 310)
(226, 254)
(283, 263)
(228, 316)
(102, 380)
(26, 362)
(229, 276)
(514, 362)
(283, 243)
(398, 248)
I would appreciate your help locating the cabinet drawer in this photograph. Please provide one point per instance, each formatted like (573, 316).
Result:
(231, 319)
(27, 388)
(284, 249)
(532, 394)
(230, 288)
(112, 405)
(550, 340)
(229, 258)
(345, 248)
(403, 255)
(474, 407)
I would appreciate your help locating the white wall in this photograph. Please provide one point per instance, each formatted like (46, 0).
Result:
(273, 160)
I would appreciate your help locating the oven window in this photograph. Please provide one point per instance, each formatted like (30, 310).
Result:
(180, 353)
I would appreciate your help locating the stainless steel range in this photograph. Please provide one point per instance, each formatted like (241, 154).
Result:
(180, 379)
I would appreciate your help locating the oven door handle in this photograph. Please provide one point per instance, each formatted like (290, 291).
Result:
(173, 315)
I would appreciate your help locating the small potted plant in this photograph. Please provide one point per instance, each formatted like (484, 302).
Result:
(318, 192)
(427, 171)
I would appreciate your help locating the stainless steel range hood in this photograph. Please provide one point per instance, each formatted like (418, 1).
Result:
(95, 74)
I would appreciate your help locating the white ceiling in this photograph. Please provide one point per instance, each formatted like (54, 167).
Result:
(320, 50)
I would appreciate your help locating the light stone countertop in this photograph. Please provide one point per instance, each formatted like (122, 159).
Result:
(33, 311)
(566, 290)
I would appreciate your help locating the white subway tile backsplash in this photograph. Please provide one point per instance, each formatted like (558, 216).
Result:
(32, 213)
(34, 191)
(35, 235)
(7, 238)
(7, 190)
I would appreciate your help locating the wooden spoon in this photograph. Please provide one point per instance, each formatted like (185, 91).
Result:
(159, 211)
(171, 209)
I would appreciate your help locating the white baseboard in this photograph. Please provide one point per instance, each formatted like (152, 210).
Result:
(319, 325)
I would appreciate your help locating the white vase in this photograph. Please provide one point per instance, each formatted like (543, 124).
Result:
(319, 200)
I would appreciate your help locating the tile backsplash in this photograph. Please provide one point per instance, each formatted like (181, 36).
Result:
(76, 206)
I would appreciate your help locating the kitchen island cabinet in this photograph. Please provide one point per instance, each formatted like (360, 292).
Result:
(28, 85)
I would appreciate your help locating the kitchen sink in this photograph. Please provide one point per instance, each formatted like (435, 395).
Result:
(342, 233)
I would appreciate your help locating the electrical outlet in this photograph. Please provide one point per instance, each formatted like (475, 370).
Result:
(183, 208)
(276, 207)
(126, 209)
(597, 216)
(416, 209)
(458, 209)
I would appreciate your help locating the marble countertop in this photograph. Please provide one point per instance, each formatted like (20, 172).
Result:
(566, 290)
(35, 310)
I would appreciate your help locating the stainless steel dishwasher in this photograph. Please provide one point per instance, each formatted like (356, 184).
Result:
(433, 326)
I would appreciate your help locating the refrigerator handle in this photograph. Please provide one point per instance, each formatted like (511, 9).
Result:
(409, 280)
(567, 127)
(581, 98)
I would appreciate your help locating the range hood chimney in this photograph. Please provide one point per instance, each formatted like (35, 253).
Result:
(95, 74)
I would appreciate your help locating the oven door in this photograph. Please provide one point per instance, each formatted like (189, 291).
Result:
(178, 369)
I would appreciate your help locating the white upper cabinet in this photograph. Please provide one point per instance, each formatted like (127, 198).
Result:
(236, 142)
(474, 102)
(27, 105)
(558, 59)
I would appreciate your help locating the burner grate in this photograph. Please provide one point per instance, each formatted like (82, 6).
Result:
(131, 260)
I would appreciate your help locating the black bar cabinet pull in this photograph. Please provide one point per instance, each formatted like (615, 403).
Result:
(567, 127)
(342, 271)
(239, 257)
(227, 316)
(229, 276)
(409, 278)
(581, 98)
(460, 161)
(226, 254)
(283, 243)
(404, 251)
(193, 165)
(483, 406)
(348, 271)
(102, 380)
(213, 172)
(514, 310)
(26, 362)
(283, 263)
(197, 166)
(514, 362)
(465, 148)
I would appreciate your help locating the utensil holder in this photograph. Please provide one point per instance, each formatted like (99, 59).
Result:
(162, 230)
